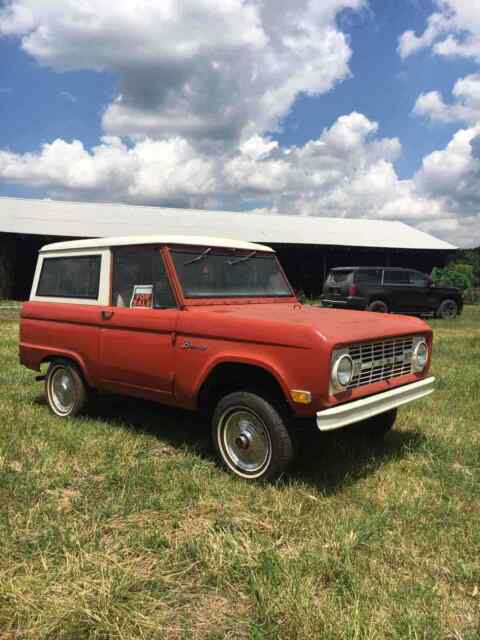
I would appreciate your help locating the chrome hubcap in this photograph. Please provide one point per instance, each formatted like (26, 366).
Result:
(245, 441)
(62, 391)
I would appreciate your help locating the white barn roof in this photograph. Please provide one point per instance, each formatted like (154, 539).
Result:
(91, 219)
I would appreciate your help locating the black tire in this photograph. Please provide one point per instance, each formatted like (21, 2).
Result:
(378, 306)
(448, 309)
(250, 436)
(378, 426)
(64, 380)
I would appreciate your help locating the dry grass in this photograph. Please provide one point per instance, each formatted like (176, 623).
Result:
(120, 524)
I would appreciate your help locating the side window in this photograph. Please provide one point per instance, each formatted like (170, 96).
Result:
(140, 279)
(396, 277)
(70, 277)
(370, 276)
(418, 279)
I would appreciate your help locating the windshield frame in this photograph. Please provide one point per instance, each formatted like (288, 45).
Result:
(197, 250)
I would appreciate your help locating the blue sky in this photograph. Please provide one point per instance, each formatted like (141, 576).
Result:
(358, 100)
(382, 85)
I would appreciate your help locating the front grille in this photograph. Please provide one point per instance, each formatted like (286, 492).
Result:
(374, 361)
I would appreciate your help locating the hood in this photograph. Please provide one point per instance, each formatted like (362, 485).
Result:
(339, 326)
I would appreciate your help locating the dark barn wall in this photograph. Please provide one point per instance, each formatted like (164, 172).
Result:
(8, 250)
(305, 265)
(18, 257)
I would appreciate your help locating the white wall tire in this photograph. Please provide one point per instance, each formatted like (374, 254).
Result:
(65, 389)
(251, 437)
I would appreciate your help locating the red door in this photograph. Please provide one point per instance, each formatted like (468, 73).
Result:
(137, 351)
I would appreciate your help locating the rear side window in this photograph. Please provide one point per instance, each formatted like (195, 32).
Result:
(70, 277)
(340, 277)
(396, 277)
(370, 276)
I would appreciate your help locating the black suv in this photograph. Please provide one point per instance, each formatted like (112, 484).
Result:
(387, 289)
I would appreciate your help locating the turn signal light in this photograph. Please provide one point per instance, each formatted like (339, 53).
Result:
(302, 397)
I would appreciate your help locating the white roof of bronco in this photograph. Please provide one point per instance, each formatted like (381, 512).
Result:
(202, 241)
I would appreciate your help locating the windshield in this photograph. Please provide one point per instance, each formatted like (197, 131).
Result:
(223, 273)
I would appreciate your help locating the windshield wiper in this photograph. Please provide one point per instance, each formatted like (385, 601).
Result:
(244, 259)
(202, 255)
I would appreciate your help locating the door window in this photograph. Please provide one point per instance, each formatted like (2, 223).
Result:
(140, 279)
(418, 279)
(368, 276)
(396, 277)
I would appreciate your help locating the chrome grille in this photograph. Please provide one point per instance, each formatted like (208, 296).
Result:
(374, 361)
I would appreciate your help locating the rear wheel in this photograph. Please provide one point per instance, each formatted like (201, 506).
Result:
(251, 437)
(66, 391)
(448, 310)
(378, 426)
(379, 306)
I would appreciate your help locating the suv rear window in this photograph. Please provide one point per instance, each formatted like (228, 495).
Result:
(340, 277)
(70, 277)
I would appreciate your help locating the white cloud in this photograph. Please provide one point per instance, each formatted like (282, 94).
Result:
(198, 68)
(347, 172)
(466, 107)
(166, 171)
(453, 30)
(202, 82)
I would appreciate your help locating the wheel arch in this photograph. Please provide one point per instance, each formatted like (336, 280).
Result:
(74, 359)
(381, 297)
(236, 375)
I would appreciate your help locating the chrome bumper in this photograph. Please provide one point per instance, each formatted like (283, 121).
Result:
(350, 412)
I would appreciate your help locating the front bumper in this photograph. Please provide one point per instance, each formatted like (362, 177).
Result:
(350, 412)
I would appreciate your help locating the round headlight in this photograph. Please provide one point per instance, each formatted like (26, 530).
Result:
(420, 356)
(342, 373)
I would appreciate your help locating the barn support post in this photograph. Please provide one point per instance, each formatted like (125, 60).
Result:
(7, 265)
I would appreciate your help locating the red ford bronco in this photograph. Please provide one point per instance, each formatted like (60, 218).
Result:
(213, 325)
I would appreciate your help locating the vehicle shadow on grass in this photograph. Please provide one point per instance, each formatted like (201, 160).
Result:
(329, 461)
(178, 428)
(336, 460)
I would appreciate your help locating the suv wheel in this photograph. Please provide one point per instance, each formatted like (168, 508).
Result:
(378, 426)
(65, 389)
(251, 437)
(379, 306)
(447, 310)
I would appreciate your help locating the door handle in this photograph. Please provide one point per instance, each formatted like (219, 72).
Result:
(106, 315)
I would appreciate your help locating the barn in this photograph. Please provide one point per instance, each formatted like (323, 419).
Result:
(307, 245)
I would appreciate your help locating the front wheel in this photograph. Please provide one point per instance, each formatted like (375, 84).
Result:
(448, 310)
(66, 391)
(251, 437)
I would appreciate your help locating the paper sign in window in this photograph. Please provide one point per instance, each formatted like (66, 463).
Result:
(142, 297)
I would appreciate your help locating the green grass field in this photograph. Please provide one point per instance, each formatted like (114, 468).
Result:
(121, 525)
